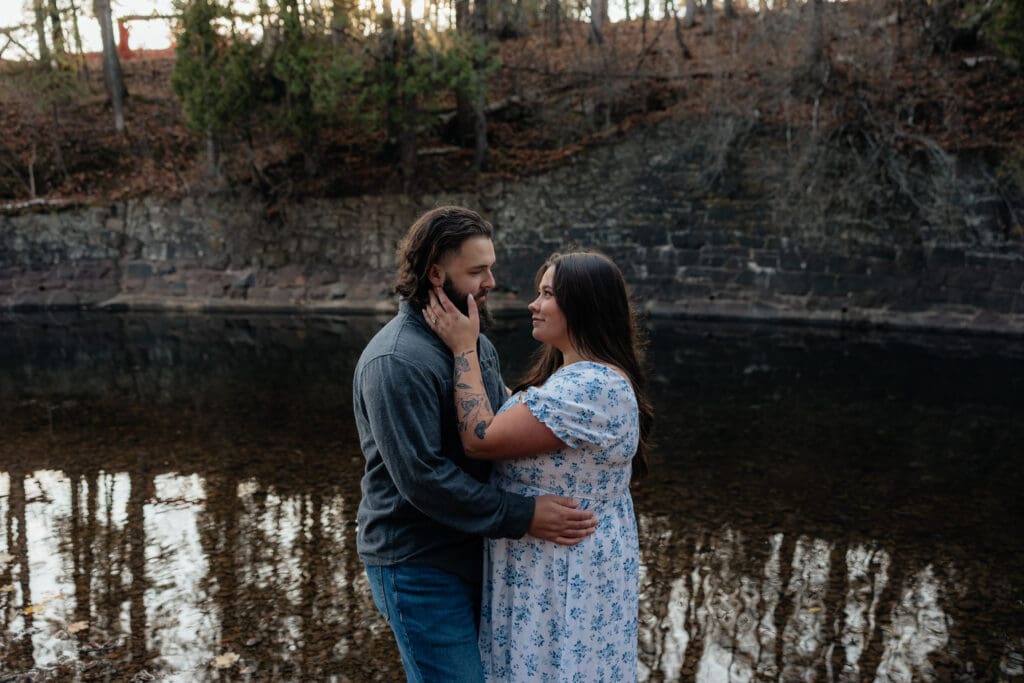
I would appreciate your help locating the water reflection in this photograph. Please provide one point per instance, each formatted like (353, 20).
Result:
(175, 491)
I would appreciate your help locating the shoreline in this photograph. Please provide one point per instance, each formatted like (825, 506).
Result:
(954, 320)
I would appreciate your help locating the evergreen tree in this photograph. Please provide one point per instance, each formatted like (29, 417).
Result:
(1009, 29)
(214, 77)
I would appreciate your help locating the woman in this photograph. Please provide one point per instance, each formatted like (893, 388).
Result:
(576, 426)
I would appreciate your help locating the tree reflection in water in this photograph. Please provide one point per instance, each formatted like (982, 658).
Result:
(160, 517)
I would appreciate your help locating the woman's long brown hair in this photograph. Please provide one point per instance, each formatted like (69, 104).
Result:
(591, 293)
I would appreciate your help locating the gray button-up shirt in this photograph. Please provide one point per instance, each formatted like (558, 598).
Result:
(424, 502)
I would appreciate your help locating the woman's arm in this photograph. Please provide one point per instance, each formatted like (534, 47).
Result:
(513, 434)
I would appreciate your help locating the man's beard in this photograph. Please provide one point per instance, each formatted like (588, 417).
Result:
(459, 299)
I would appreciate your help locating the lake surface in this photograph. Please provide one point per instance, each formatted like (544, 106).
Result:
(178, 498)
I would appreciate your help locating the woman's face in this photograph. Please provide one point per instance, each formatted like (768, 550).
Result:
(548, 321)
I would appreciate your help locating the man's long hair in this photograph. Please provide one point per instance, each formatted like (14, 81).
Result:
(433, 236)
(591, 293)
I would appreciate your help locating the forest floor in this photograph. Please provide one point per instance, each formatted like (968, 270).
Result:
(546, 104)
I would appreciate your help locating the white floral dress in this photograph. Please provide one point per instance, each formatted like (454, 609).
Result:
(558, 613)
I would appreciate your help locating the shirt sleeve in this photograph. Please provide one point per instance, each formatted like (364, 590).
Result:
(402, 408)
(570, 406)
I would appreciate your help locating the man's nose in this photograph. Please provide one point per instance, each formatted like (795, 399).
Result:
(489, 281)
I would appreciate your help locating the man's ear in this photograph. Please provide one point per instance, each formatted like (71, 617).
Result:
(436, 275)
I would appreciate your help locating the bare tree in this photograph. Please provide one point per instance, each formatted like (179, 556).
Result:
(816, 42)
(671, 10)
(555, 16)
(78, 42)
(709, 16)
(56, 29)
(691, 14)
(597, 12)
(728, 10)
(40, 25)
(111, 63)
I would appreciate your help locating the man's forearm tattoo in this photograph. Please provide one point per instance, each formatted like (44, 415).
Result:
(472, 405)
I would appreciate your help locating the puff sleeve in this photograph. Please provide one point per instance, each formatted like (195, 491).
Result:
(574, 405)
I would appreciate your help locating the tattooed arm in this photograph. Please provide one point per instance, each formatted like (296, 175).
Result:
(472, 407)
(513, 434)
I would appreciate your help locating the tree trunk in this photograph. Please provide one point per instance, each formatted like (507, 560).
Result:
(58, 155)
(212, 155)
(40, 24)
(691, 14)
(339, 22)
(57, 30)
(80, 51)
(32, 158)
(111, 63)
(465, 116)
(628, 18)
(670, 7)
(407, 137)
(709, 16)
(480, 119)
(728, 10)
(555, 14)
(816, 42)
(389, 65)
(522, 21)
(508, 25)
(596, 21)
(644, 20)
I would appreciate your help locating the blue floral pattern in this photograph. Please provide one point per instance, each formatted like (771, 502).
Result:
(558, 613)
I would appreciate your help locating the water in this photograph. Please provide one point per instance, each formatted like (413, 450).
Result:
(178, 498)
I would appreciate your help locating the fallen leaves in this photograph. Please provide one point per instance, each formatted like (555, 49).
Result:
(6, 558)
(77, 627)
(41, 605)
(225, 661)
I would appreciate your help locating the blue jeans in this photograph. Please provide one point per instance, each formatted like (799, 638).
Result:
(435, 617)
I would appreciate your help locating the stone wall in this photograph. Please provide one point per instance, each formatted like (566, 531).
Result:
(740, 241)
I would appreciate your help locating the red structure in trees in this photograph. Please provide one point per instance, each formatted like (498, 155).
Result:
(124, 51)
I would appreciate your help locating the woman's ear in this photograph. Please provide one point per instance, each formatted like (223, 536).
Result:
(436, 275)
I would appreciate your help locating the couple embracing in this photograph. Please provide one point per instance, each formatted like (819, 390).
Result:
(541, 473)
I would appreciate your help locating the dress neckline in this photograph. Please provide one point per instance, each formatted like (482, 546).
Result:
(609, 368)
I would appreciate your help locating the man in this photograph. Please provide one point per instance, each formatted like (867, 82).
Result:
(425, 505)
